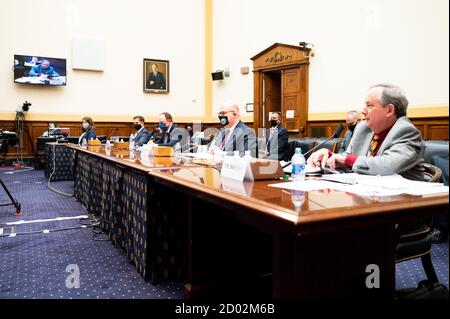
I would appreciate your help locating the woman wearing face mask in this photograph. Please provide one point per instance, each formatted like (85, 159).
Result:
(88, 131)
(352, 119)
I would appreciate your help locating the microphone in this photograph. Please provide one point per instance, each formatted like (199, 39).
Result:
(112, 132)
(336, 134)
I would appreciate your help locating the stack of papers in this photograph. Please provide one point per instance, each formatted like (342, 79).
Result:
(366, 185)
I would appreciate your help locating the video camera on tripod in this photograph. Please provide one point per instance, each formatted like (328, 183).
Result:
(7, 139)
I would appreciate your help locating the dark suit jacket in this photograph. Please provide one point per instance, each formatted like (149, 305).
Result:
(88, 136)
(278, 150)
(142, 137)
(170, 137)
(242, 139)
(159, 83)
(346, 142)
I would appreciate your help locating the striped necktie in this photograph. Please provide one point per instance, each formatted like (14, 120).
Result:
(373, 145)
(224, 139)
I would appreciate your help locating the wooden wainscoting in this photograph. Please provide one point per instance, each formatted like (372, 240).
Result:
(431, 128)
(34, 129)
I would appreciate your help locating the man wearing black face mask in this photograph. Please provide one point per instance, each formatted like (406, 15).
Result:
(168, 131)
(352, 119)
(276, 139)
(141, 136)
(235, 135)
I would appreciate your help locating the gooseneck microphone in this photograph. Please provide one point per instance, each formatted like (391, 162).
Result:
(110, 134)
(336, 134)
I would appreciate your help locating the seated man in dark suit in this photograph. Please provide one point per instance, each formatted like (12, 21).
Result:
(170, 134)
(142, 136)
(276, 139)
(352, 118)
(235, 135)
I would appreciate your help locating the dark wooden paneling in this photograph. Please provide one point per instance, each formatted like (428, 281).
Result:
(431, 128)
(36, 128)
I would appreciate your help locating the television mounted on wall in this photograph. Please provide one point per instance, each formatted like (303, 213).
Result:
(39, 70)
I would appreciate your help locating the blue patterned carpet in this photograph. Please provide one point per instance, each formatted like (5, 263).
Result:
(34, 265)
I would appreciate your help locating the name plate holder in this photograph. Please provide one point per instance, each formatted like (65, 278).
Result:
(240, 169)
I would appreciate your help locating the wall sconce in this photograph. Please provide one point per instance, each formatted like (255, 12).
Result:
(307, 49)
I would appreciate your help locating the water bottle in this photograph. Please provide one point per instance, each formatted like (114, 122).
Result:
(298, 165)
(298, 198)
(247, 155)
(131, 144)
(236, 154)
(108, 148)
(177, 148)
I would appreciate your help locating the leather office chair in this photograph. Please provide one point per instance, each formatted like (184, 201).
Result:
(333, 145)
(305, 144)
(435, 147)
(415, 237)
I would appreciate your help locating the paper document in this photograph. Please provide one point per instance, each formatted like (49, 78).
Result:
(367, 185)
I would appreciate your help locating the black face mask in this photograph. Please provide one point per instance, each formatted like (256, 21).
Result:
(223, 120)
(273, 123)
(352, 127)
(137, 127)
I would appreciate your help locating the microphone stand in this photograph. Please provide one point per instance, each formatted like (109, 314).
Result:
(335, 135)
(110, 134)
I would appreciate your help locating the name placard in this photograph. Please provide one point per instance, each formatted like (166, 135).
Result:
(234, 168)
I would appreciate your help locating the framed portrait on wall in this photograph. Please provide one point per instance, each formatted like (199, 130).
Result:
(156, 76)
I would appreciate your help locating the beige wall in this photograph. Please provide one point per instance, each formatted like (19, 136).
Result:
(357, 43)
(131, 30)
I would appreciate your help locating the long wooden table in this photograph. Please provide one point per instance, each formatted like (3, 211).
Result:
(323, 245)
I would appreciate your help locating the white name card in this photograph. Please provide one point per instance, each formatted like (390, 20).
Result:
(235, 168)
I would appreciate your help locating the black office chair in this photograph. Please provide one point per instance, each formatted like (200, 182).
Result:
(415, 237)
(332, 145)
(435, 147)
(305, 144)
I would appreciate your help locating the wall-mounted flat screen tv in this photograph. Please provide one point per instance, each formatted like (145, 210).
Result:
(39, 70)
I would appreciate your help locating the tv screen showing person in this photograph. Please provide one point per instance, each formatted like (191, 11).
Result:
(39, 70)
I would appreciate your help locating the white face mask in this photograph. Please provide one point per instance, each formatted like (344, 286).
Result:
(85, 126)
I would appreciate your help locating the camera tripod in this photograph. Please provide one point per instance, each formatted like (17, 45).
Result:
(13, 201)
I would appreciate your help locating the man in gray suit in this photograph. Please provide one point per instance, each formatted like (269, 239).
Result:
(235, 135)
(386, 143)
(351, 119)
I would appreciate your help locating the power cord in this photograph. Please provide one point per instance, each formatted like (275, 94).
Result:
(51, 175)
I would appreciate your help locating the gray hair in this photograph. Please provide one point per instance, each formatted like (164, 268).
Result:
(354, 114)
(232, 105)
(392, 94)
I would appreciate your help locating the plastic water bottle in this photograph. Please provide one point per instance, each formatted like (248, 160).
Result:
(298, 165)
(177, 148)
(298, 198)
(108, 148)
(131, 144)
(247, 155)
